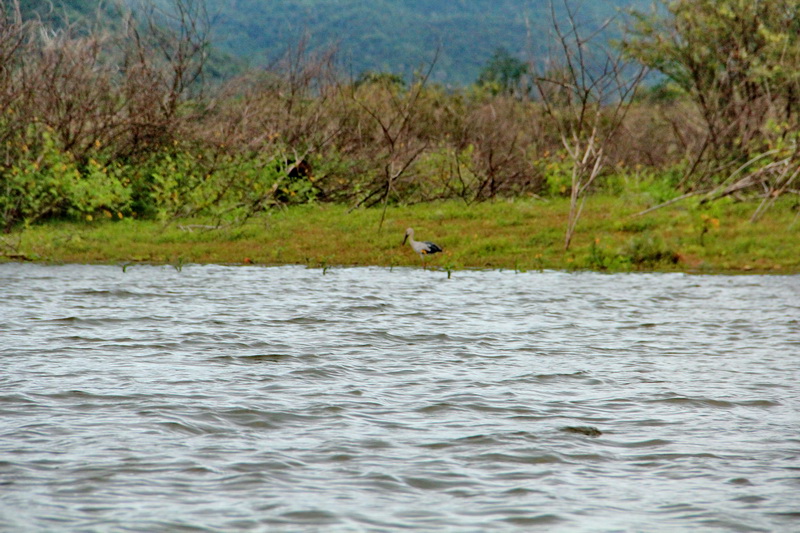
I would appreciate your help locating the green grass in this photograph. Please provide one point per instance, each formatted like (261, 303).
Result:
(521, 235)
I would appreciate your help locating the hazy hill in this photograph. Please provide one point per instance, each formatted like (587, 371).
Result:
(397, 36)
(56, 11)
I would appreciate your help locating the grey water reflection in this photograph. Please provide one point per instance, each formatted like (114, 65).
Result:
(366, 399)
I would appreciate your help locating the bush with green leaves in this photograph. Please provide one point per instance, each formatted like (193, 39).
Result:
(44, 181)
(647, 250)
(225, 186)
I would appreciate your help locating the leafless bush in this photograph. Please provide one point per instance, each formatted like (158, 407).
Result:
(508, 135)
(100, 90)
(70, 90)
(288, 103)
(656, 135)
(14, 46)
(163, 55)
(389, 118)
(587, 90)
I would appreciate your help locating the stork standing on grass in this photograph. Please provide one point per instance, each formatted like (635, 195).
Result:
(423, 248)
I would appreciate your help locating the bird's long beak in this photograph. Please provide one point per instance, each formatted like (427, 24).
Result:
(405, 238)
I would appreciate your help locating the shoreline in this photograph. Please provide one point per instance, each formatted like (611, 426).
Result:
(518, 235)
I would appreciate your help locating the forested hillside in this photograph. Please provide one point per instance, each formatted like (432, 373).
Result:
(56, 12)
(398, 37)
(382, 35)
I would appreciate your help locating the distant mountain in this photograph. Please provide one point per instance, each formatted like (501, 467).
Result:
(56, 11)
(399, 36)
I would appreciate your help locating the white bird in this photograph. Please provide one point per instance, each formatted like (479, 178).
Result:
(423, 248)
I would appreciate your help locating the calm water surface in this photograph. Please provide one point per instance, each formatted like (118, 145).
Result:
(281, 399)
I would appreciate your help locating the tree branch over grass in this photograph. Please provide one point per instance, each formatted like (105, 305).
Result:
(587, 90)
(771, 173)
(397, 146)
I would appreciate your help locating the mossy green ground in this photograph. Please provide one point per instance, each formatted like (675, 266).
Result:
(521, 234)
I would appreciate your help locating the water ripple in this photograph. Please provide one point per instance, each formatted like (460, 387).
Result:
(243, 398)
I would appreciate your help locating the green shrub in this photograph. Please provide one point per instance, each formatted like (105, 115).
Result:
(653, 186)
(48, 182)
(647, 250)
(557, 172)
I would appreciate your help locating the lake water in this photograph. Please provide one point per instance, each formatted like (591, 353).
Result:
(365, 399)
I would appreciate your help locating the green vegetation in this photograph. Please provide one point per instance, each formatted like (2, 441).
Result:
(113, 131)
(504, 74)
(734, 60)
(521, 234)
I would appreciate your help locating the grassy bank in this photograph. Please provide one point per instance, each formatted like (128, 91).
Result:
(522, 235)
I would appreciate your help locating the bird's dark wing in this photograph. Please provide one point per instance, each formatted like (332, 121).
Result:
(431, 248)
